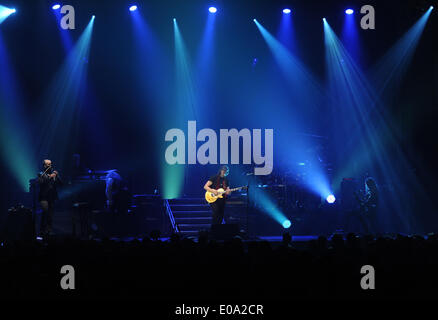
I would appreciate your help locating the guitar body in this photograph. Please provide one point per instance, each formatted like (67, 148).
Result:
(211, 197)
(364, 207)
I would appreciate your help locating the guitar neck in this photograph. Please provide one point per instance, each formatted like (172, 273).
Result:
(235, 189)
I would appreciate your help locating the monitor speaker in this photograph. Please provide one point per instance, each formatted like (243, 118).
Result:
(19, 225)
(224, 231)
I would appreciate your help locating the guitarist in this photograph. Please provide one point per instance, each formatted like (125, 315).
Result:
(215, 182)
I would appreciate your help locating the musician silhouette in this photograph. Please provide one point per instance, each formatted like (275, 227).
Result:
(48, 180)
(368, 206)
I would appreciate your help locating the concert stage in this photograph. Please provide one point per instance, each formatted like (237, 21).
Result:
(268, 149)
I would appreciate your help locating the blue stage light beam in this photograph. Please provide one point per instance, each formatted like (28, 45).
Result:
(258, 193)
(206, 48)
(389, 71)
(352, 99)
(212, 9)
(205, 64)
(302, 83)
(350, 36)
(185, 109)
(307, 95)
(133, 8)
(286, 32)
(65, 35)
(63, 100)
(371, 144)
(153, 83)
(267, 205)
(151, 66)
(349, 92)
(5, 13)
(349, 11)
(186, 101)
(15, 131)
(349, 79)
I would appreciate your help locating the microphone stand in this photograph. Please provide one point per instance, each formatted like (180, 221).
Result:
(247, 209)
(248, 175)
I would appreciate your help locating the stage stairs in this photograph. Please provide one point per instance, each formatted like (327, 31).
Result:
(191, 215)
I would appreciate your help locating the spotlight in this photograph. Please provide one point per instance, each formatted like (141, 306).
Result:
(287, 11)
(93, 16)
(133, 8)
(331, 198)
(349, 11)
(286, 224)
(56, 6)
(6, 12)
(212, 9)
(431, 7)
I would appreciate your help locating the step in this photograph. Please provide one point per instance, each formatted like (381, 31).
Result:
(183, 227)
(193, 220)
(191, 214)
(189, 232)
(187, 201)
(191, 211)
(189, 207)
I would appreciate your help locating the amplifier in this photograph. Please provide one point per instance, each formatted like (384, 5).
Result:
(20, 225)
(224, 231)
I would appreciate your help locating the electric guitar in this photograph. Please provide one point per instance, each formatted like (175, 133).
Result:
(363, 202)
(211, 197)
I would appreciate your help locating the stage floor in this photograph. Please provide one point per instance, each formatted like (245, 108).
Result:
(302, 238)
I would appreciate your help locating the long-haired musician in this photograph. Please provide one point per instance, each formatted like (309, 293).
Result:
(369, 202)
(212, 185)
